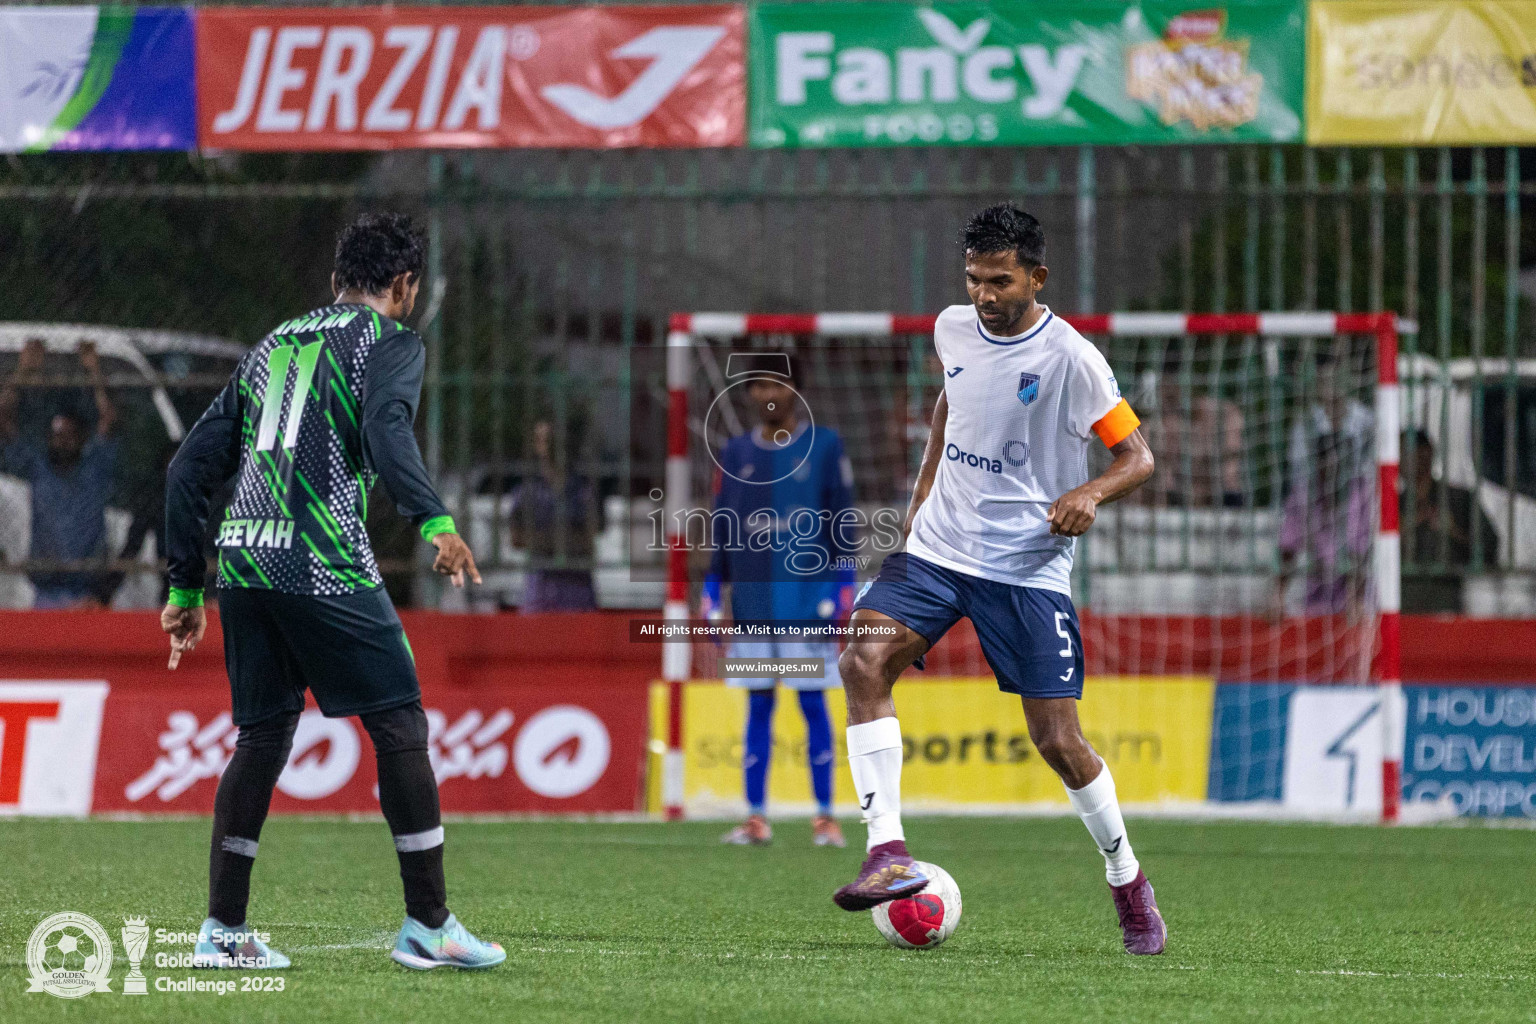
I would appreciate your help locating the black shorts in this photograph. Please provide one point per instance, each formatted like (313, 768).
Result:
(349, 651)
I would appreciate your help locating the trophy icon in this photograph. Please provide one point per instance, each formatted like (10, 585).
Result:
(135, 939)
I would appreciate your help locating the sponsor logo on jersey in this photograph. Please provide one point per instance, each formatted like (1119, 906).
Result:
(256, 533)
(954, 454)
(1029, 387)
(1016, 453)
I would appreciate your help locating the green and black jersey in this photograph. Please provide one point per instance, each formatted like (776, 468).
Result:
(316, 412)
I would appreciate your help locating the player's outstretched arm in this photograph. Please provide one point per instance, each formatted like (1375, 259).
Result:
(1072, 513)
(206, 460)
(933, 451)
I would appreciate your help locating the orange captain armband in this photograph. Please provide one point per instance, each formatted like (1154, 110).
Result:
(1117, 424)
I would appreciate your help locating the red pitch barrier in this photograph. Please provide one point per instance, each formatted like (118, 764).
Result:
(537, 714)
(530, 714)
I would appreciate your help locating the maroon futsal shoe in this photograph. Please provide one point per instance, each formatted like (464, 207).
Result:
(1140, 921)
(889, 873)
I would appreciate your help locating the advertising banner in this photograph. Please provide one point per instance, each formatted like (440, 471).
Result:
(1431, 73)
(283, 78)
(1472, 748)
(525, 714)
(96, 78)
(1467, 750)
(513, 749)
(881, 74)
(1334, 745)
(965, 743)
(48, 734)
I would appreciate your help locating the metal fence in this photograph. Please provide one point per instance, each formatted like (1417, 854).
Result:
(551, 270)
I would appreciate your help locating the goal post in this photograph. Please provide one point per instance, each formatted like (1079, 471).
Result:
(1269, 553)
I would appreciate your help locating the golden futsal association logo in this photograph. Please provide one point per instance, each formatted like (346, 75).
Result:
(69, 955)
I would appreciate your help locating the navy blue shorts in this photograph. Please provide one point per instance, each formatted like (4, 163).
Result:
(1029, 636)
(350, 651)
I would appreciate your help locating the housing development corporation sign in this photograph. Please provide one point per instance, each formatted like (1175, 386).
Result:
(883, 74)
(277, 78)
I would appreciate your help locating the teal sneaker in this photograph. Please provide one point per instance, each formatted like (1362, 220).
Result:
(421, 948)
(240, 948)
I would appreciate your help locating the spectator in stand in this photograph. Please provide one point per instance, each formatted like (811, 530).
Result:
(1437, 534)
(555, 519)
(1326, 530)
(1199, 444)
(1335, 409)
(71, 475)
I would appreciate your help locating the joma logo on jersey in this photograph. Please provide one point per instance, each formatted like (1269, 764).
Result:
(1029, 387)
(256, 533)
(954, 454)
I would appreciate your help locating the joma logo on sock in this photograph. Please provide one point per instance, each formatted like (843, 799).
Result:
(256, 533)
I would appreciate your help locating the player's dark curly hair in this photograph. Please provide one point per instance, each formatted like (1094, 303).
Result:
(377, 248)
(1005, 228)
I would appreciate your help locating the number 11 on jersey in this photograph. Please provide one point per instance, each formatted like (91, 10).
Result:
(277, 380)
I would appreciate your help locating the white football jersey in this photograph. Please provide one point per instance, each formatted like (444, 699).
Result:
(1022, 412)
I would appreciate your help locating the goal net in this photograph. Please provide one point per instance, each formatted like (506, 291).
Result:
(1251, 583)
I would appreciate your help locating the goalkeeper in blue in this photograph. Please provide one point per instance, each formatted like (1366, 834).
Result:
(785, 487)
(317, 412)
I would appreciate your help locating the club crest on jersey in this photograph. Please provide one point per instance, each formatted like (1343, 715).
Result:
(1029, 387)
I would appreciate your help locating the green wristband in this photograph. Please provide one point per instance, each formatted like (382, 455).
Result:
(436, 525)
(186, 597)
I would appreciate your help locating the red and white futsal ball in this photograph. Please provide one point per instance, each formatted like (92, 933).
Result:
(925, 920)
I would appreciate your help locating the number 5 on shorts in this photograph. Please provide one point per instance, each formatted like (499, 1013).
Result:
(272, 402)
(1061, 631)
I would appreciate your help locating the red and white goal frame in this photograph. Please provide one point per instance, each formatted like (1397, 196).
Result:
(684, 328)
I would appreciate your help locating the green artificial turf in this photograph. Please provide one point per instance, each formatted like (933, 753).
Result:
(655, 922)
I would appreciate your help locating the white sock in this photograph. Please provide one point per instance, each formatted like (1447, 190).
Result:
(874, 756)
(1097, 805)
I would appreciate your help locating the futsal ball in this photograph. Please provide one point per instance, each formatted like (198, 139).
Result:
(925, 920)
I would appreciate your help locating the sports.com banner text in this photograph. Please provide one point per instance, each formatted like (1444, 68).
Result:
(278, 78)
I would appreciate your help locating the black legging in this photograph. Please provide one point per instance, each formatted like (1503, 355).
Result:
(407, 796)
